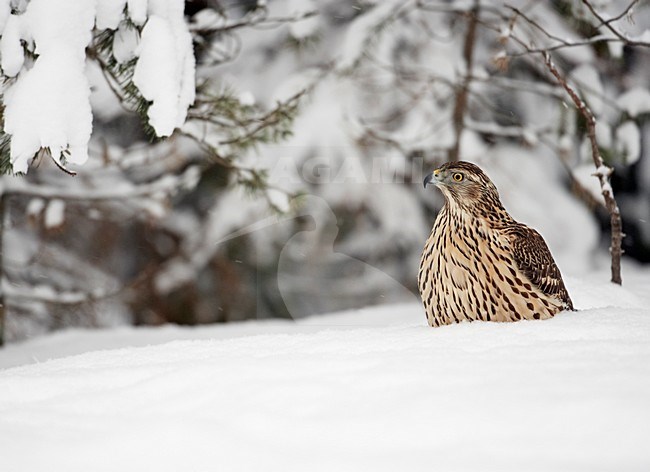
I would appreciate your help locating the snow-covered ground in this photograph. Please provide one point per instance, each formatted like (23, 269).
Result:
(369, 390)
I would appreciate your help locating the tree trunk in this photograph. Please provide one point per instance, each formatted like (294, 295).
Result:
(458, 117)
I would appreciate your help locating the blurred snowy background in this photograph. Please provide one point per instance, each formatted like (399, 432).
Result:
(263, 161)
(293, 186)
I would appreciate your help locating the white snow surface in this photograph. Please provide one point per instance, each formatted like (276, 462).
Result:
(374, 389)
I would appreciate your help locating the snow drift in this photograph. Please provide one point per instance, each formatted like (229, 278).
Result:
(368, 390)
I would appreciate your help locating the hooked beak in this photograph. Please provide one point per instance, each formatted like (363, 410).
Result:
(432, 177)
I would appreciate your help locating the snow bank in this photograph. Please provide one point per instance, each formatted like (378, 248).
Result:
(370, 390)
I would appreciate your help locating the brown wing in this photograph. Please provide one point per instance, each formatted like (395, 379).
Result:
(534, 259)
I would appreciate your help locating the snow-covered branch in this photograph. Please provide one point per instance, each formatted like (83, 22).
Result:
(559, 43)
(49, 294)
(607, 23)
(47, 103)
(166, 184)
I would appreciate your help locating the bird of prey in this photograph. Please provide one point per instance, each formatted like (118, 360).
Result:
(481, 264)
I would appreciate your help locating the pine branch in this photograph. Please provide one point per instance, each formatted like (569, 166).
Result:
(119, 78)
(5, 154)
(163, 185)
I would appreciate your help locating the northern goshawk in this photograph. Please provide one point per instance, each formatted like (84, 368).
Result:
(481, 264)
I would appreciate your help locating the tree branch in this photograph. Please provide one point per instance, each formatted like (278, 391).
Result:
(607, 24)
(620, 15)
(165, 184)
(602, 171)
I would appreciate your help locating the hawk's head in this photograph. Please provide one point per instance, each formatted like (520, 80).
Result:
(463, 183)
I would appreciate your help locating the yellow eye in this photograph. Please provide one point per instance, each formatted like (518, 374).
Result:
(458, 177)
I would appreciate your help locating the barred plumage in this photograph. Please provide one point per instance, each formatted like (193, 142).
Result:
(481, 264)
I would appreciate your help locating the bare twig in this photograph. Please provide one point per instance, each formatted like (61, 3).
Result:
(252, 19)
(560, 43)
(620, 15)
(62, 167)
(566, 44)
(602, 171)
(607, 24)
(518, 13)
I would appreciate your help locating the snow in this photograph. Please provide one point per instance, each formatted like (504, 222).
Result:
(366, 390)
(374, 389)
(246, 98)
(279, 199)
(109, 13)
(357, 36)
(35, 207)
(635, 101)
(628, 142)
(530, 136)
(304, 28)
(603, 134)
(48, 105)
(104, 103)
(11, 50)
(591, 86)
(125, 43)
(603, 170)
(164, 72)
(54, 213)
(137, 11)
(584, 174)
(5, 12)
(641, 38)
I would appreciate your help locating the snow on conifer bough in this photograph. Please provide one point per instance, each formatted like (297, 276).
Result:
(47, 103)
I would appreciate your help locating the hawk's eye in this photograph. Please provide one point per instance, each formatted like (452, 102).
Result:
(458, 177)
